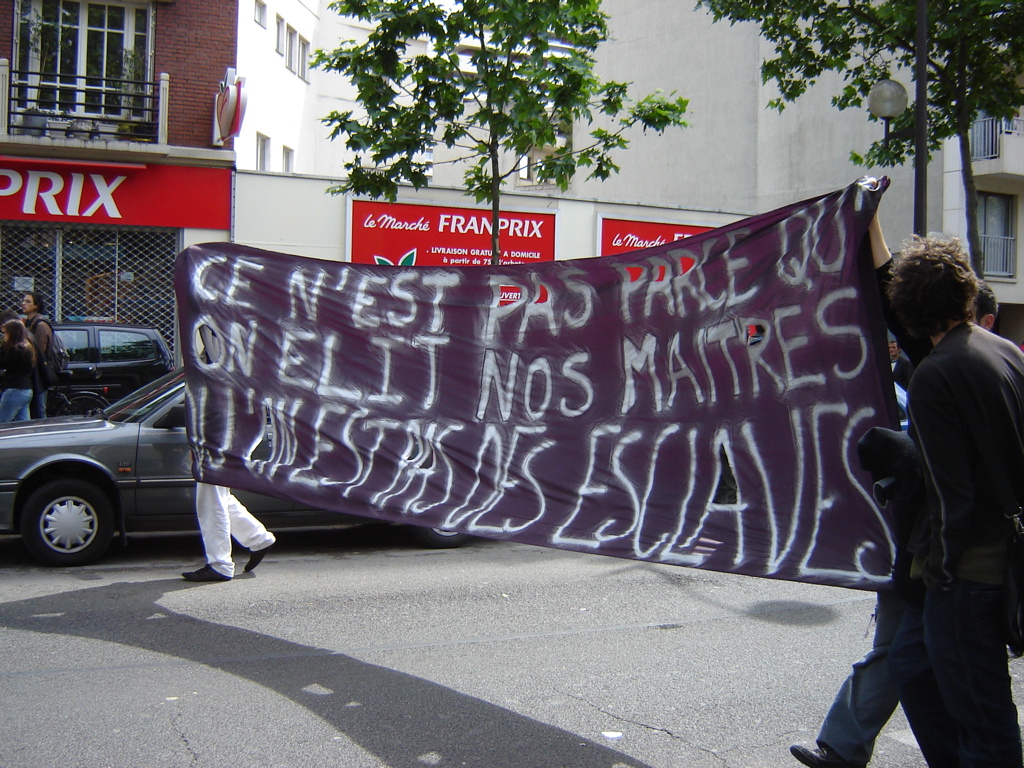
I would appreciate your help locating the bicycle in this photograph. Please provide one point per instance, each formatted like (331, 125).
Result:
(62, 400)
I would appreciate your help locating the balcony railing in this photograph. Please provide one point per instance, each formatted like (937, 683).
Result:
(1000, 255)
(82, 107)
(986, 133)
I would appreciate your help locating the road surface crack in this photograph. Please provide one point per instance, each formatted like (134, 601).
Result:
(648, 727)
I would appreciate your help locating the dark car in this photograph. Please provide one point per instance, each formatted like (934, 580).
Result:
(113, 360)
(69, 484)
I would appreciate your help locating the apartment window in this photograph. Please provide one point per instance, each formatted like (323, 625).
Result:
(281, 29)
(996, 214)
(261, 13)
(528, 167)
(287, 160)
(525, 169)
(291, 48)
(70, 45)
(302, 65)
(262, 152)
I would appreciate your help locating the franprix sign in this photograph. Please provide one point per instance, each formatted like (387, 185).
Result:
(115, 193)
(408, 235)
(598, 405)
(625, 235)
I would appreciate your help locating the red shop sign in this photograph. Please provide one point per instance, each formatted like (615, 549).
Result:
(623, 236)
(115, 193)
(441, 236)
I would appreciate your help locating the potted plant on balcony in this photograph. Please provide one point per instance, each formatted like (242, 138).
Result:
(33, 122)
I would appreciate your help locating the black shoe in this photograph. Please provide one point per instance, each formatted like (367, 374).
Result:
(823, 757)
(206, 573)
(255, 558)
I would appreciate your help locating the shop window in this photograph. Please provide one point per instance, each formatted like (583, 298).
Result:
(93, 274)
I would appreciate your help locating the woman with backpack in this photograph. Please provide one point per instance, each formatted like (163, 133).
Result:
(32, 306)
(19, 362)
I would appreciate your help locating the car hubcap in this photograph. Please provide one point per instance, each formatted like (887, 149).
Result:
(69, 525)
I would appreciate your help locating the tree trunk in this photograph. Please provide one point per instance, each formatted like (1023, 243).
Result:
(963, 129)
(495, 204)
(964, 118)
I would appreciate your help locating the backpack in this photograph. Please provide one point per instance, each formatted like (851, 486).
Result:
(57, 357)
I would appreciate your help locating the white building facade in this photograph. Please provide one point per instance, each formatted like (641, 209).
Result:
(737, 158)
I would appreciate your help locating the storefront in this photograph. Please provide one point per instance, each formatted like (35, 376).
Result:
(407, 235)
(625, 235)
(297, 214)
(98, 240)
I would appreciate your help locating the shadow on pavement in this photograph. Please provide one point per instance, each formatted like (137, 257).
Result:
(399, 718)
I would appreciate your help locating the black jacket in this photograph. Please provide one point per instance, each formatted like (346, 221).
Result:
(966, 408)
(902, 371)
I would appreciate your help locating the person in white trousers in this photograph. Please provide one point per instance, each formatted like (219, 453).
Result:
(221, 517)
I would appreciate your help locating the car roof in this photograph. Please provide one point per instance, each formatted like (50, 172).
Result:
(103, 325)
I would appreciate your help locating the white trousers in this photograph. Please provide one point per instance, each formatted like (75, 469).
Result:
(222, 516)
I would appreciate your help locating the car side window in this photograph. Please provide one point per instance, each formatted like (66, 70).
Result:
(121, 346)
(77, 343)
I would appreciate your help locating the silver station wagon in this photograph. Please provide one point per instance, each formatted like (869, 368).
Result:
(70, 484)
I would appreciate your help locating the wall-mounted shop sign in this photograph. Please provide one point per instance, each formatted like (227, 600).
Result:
(441, 236)
(623, 235)
(115, 193)
(229, 108)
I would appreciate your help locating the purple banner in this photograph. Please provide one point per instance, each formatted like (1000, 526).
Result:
(599, 405)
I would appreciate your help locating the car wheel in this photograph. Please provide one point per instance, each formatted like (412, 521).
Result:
(436, 538)
(67, 522)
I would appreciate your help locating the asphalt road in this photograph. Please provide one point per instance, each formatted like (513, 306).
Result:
(358, 649)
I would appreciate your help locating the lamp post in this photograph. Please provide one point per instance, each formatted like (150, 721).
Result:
(888, 98)
(921, 119)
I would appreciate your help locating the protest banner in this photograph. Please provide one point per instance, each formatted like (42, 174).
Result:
(599, 405)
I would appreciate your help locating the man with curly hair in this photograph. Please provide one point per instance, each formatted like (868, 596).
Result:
(966, 408)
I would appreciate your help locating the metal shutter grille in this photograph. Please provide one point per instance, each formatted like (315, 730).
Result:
(99, 274)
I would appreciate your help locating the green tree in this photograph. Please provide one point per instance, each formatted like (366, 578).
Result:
(975, 64)
(491, 79)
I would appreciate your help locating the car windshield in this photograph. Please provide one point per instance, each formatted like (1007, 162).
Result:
(142, 402)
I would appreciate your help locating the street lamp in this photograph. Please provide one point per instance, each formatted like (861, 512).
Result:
(886, 100)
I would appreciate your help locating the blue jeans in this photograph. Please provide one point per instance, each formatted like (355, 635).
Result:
(37, 407)
(14, 404)
(868, 697)
(950, 665)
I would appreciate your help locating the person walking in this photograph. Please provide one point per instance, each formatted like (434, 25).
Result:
(221, 518)
(32, 307)
(966, 406)
(867, 697)
(19, 361)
